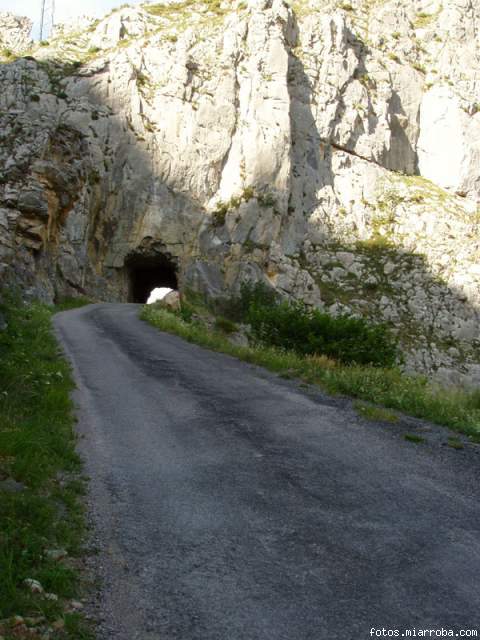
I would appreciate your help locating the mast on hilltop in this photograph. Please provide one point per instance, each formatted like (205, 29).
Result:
(47, 19)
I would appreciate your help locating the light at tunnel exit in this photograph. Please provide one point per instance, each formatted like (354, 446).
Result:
(158, 294)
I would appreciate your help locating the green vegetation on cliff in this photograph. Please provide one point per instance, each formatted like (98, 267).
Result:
(295, 327)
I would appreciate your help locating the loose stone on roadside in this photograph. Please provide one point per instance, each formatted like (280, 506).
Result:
(33, 585)
(51, 596)
(56, 554)
(11, 486)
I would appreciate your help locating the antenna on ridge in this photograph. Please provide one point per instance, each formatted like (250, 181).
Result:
(47, 19)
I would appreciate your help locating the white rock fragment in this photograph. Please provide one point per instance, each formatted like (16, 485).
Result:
(33, 585)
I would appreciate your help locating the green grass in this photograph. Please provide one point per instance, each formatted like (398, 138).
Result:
(293, 326)
(455, 443)
(225, 325)
(411, 437)
(168, 10)
(179, 15)
(37, 449)
(377, 414)
(424, 20)
(65, 304)
(388, 387)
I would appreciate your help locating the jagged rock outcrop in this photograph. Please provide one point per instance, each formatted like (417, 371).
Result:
(15, 33)
(331, 150)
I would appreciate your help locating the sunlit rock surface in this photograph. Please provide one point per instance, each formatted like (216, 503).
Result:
(15, 33)
(331, 150)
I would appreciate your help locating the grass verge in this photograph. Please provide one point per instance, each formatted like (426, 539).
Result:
(41, 514)
(389, 387)
(378, 414)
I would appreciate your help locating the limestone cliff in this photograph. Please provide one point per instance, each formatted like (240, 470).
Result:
(330, 148)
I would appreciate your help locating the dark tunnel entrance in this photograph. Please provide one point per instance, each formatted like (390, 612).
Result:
(146, 273)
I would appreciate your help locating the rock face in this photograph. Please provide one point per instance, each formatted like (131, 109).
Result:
(330, 149)
(14, 33)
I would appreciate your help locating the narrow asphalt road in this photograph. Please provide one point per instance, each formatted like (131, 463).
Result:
(233, 505)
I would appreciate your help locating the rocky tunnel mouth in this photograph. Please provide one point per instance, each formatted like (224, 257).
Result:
(146, 273)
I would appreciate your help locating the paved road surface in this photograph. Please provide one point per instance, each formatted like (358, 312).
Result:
(234, 505)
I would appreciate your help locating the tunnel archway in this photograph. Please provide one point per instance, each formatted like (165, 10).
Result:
(146, 273)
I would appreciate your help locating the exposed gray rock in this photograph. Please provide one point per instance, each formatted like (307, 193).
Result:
(449, 143)
(171, 301)
(11, 486)
(254, 142)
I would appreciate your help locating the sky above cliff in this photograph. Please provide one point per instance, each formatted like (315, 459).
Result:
(65, 9)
